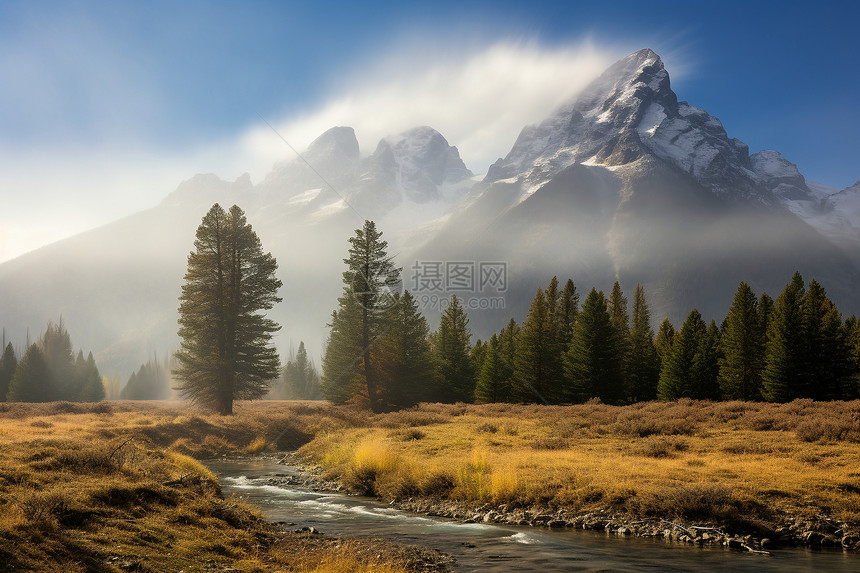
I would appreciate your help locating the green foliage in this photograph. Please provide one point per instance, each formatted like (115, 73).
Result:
(300, 378)
(226, 352)
(536, 379)
(620, 320)
(343, 376)
(643, 368)
(410, 376)
(783, 377)
(593, 363)
(8, 365)
(690, 368)
(32, 379)
(742, 362)
(359, 325)
(452, 349)
(89, 379)
(150, 382)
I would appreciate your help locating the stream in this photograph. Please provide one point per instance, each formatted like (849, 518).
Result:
(499, 548)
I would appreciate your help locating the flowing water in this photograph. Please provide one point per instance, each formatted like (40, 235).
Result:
(497, 548)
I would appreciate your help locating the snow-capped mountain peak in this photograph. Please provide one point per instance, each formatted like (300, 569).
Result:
(628, 112)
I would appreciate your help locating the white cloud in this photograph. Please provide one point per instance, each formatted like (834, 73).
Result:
(479, 101)
(479, 98)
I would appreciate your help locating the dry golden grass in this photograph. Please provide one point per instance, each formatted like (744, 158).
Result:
(687, 459)
(116, 487)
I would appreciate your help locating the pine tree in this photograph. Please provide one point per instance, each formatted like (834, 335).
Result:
(742, 361)
(664, 341)
(56, 346)
(32, 380)
(568, 309)
(410, 373)
(8, 365)
(643, 370)
(371, 279)
(689, 370)
(826, 352)
(226, 352)
(593, 365)
(620, 320)
(784, 373)
(497, 376)
(148, 383)
(493, 384)
(536, 378)
(452, 349)
(300, 378)
(92, 389)
(343, 376)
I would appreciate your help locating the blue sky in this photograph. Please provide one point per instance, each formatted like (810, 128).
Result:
(106, 106)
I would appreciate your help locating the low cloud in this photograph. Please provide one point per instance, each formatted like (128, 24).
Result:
(479, 100)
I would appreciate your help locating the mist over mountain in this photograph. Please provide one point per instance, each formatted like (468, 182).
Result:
(624, 182)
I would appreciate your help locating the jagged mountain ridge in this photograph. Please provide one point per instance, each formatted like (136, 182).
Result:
(623, 182)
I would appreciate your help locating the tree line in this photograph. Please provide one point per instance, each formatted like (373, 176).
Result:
(49, 371)
(381, 352)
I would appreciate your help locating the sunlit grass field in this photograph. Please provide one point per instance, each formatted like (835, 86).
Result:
(691, 460)
(114, 486)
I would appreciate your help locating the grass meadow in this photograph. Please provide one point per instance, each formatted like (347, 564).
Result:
(119, 486)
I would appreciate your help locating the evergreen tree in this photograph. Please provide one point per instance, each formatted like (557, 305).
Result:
(535, 361)
(643, 370)
(494, 378)
(478, 355)
(370, 280)
(689, 369)
(742, 361)
(706, 370)
(32, 379)
(92, 388)
(56, 346)
(593, 365)
(826, 351)
(664, 341)
(150, 382)
(452, 349)
(8, 365)
(226, 352)
(300, 377)
(784, 373)
(568, 308)
(497, 380)
(343, 376)
(410, 373)
(620, 320)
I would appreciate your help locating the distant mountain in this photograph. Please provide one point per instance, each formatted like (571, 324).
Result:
(623, 182)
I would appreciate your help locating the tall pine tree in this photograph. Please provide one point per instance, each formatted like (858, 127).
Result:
(409, 368)
(32, 381)
(300, 377)
(742, 361)
(784, 373)
(452, 351)
(643, 369)
(226, 352)
(593, 365)
(536, 361)
(690, 368)
(8, 365)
